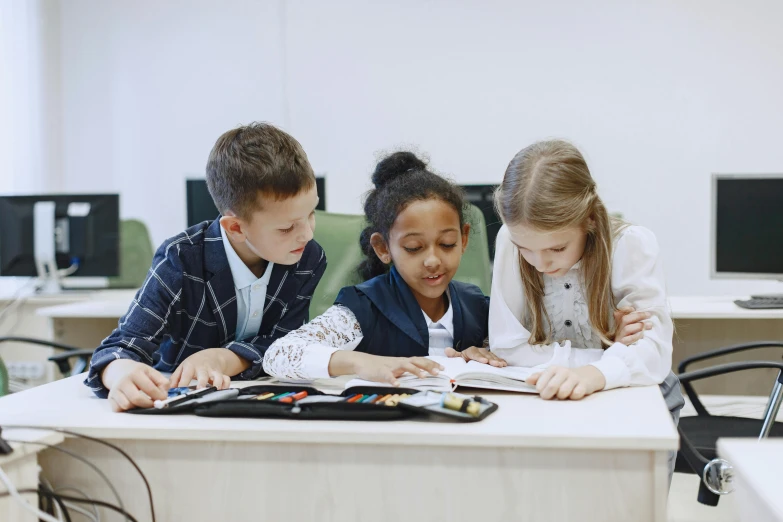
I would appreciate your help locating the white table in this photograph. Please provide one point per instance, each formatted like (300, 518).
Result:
(757, 477)
(600, 459)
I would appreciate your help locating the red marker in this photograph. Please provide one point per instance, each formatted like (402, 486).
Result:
(295, 397)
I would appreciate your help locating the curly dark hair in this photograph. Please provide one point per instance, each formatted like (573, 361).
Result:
(400, 179)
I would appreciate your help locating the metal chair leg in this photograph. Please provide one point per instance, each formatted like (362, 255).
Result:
(773, 406)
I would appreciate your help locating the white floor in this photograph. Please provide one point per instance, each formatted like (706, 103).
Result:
(683, 506)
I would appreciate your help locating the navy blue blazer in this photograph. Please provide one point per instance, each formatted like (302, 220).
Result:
(188, 303)
(392, 322)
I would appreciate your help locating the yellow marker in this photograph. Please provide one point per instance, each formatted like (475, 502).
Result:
(465, 405)
(392, 401)
(265, 396)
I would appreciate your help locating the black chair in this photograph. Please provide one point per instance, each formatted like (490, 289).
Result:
(699, 434)
(62, 360)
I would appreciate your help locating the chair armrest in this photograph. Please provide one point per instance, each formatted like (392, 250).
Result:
(40, 342)
(721, 369)
(725, 351)
(712, 371)
(62, 360)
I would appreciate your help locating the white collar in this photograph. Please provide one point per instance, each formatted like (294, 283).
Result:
(447, 321)
(243, 276)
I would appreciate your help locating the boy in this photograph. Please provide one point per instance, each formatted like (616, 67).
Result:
(218, 294)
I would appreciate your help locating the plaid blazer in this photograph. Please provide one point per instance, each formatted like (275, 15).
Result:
(188, 303)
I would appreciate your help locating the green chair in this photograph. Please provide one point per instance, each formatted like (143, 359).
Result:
(3, 379)
(475, 267)
(338, 234)
(136, 254)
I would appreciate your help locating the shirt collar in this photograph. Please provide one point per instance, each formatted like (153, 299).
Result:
(243, 276)
(447, 321)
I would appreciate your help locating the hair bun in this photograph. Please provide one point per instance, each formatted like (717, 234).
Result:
(395, 165)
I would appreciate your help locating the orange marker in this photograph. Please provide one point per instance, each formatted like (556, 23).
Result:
(355, 398)
(299, 396)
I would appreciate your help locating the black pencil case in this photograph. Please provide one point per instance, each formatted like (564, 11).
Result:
(309, 408)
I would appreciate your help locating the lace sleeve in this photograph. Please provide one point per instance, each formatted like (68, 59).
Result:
(305, 352)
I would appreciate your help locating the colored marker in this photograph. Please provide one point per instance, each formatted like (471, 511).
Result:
(299, 396)
(355, 398)
(278, 397)
(369, 398)
(381, 399)
(264, 396)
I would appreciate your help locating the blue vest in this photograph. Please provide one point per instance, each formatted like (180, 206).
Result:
(392, 321)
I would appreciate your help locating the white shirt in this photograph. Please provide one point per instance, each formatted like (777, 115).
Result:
(637, 281)
(305, 353)
(251, 292)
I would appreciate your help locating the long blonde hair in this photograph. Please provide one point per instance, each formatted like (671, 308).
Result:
(548, 187)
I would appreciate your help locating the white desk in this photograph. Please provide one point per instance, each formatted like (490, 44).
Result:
(757, 468)
(85, 324)
(21, 466)
(698, 307)
(601, 459)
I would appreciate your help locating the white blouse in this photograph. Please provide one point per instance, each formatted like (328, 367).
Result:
(637, 281)
(305, 353)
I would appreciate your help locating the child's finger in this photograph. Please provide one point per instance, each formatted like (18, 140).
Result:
(494, 360)
(648, 325)
(135, 396)
(427, 365)
(477, 356)
(628, 341)
(156, 377)
(145, 384)
(388, 376)
(187, 375)
(550, 389)
(408, 366)
(118, 401)
(217, 379)
(174, 380)
(533, 379)
(567, 388)
(544, 380)
(451, 352)
(579, 392)
(202, 375)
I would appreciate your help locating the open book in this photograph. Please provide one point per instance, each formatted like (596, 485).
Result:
(466, 374)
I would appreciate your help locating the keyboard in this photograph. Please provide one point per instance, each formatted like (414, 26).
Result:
(761, 303)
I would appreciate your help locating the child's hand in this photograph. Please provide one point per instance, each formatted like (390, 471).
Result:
(630, 325)
(388, 369)
(133, 385)
(474, 353)
(566, 383)
(207, 366)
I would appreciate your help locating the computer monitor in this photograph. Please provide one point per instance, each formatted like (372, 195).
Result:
(483, 196)
(200, 206)
(747, 226)
(55, 236)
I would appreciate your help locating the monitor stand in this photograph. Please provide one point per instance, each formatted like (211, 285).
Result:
(46, 236)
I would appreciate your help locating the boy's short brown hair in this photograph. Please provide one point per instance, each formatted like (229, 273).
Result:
(252, 159)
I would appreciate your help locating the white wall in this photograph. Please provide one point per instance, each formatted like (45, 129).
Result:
(658, 97)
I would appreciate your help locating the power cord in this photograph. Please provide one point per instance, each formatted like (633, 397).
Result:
(108, 444)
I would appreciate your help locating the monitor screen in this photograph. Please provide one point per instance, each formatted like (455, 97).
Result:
(747, 226)
(201, 207)
(86, 231)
